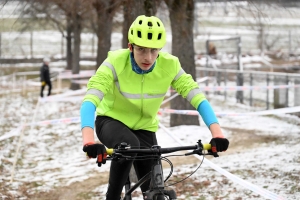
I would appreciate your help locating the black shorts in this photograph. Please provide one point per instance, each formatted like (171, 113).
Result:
(112, 132)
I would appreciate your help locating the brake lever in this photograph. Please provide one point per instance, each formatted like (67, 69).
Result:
(197, 151)
(114, 156)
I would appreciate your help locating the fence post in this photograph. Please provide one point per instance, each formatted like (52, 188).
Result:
(279, 94)
(240, 78)
(0, 45)
(251, 84)
(218, 81)
(287, 92)
(225, 83)
(297, 95)
(290, 44)
(62, 45)
(240, 82)
(31, 44)
(267, 100)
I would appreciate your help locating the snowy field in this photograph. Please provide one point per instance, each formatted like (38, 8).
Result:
(264, 151)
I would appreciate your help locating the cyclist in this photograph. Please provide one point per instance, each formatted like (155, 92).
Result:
(126, 92)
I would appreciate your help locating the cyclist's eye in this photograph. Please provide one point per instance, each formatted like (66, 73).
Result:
(141, 49)
(154, 50)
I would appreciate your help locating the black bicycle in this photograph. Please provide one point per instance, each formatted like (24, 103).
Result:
(157, 187)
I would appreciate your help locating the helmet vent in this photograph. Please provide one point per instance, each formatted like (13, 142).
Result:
(139, 34)
(131, 31)
(140, 22)
(150, 24)
(159, 36)
(149, 36)
(158, 24)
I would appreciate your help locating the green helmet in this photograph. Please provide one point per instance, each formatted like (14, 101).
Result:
(147, 32)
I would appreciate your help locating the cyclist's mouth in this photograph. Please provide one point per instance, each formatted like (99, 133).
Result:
(146, 64)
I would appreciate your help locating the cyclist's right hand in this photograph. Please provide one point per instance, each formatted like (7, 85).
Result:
(96, 150)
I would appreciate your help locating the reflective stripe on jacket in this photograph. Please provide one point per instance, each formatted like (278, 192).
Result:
(134, 99)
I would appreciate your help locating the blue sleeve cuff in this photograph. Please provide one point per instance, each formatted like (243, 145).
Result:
(207, 113)
(87, 114)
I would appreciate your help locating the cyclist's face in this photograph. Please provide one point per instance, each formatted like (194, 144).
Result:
(144, 57)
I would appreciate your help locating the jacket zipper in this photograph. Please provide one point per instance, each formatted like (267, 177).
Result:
(142, 101)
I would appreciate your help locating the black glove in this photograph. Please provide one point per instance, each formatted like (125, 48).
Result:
(218, 145)
(96, 150)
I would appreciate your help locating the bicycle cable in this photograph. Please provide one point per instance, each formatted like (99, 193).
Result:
(188, 175)
(171, 167)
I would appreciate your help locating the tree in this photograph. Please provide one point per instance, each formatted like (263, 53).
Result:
(131, 9)
(55, 16)
(134, 8)
(105, 11)
(77, 12)
(182, 18)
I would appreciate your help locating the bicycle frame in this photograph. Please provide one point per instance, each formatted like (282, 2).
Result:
(156, 184)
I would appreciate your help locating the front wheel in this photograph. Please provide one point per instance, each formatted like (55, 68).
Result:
(157, 195)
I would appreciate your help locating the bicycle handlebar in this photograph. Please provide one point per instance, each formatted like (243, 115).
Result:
(159, 150)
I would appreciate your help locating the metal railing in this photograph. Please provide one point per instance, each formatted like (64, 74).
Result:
(256, 88)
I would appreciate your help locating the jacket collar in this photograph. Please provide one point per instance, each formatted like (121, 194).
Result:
(137, 69)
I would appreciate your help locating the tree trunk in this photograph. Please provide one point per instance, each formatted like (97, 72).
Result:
(69, 55)
(104, 19)
(131, 9)
(182, 18)
(76, 50)
(150, 7)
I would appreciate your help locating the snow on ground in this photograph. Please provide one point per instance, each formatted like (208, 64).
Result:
(50, 156)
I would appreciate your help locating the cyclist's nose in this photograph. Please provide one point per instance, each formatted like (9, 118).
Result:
(148, 55)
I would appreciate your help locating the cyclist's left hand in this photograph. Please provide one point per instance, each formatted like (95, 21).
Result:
(218, 145)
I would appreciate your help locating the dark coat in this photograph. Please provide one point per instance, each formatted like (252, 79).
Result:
(44, 73)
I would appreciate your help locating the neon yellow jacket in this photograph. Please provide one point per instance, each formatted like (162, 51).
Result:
(134, 99)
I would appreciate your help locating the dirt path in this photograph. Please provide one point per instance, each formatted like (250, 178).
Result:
(77, 190)
(240, 140)
(84, 190)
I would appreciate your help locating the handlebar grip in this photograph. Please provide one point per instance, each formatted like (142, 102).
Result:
(109, 151)
(207, 146)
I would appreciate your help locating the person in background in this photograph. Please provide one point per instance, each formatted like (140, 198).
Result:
(45, 77)
(126, 93)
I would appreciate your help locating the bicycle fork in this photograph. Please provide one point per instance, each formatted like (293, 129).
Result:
(157, 185)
